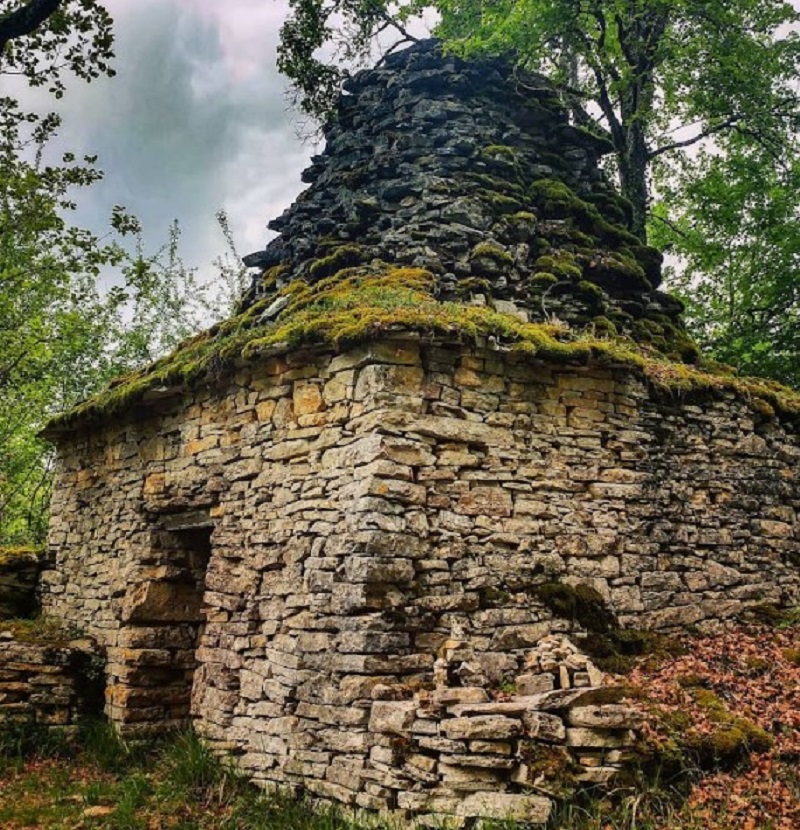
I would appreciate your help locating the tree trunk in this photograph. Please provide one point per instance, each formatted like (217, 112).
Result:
(633, 158)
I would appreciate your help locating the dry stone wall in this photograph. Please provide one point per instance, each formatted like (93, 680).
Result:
(329, 556)
(47, 685)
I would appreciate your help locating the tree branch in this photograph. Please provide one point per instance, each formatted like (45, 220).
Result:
(25, 20)
(688, 142)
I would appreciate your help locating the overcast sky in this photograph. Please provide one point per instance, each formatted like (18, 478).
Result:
(197, 119)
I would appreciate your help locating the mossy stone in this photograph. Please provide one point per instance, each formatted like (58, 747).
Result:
(344, 256)
(580, 603)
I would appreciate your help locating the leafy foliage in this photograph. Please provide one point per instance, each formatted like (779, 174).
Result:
(734, 227)
(75, 309)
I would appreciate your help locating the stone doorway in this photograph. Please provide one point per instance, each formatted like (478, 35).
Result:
(162, 618)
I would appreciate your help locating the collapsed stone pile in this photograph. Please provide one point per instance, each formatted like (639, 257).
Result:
(455, 750)
(472, 171)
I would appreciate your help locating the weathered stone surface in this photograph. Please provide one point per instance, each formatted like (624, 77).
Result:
(535, 809)
(607, 716)
(582, 737)
(395, 717)
(484, 727)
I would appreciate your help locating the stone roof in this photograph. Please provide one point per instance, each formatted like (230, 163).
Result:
(455, 202)
(472, 171)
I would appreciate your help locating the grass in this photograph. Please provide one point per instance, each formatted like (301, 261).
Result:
(40, 630)
(100, 782)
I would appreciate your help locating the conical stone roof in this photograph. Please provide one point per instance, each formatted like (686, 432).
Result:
(472, 171)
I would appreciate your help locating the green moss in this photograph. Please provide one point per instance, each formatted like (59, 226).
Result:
(492, 252)
(618, 272)
(612, 648)
(560, 263)
(358, 304)
(501, 186)
(792, 655)
(473, 285)
(604, 326)
(542, 281)
(519, 226)
(580, 603)
(499, 203)
(733, 738)
(651, 260)
(773, 616)
(602, 144)
(42, 630)
(491, 597)
(590, 290)
(549, 767)
(612, 207)
(500, 150)
(343, 256)
(13, 557)
(557, 200)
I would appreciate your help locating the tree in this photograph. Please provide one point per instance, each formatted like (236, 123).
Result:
(62, 333)
(40, 39)
(75, 309)
(734, 218)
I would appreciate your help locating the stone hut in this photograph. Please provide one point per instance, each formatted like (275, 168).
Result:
(359, 532)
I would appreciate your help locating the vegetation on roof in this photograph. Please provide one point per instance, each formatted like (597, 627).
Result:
(366, 302)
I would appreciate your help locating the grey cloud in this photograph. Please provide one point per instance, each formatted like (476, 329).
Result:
(178, 137)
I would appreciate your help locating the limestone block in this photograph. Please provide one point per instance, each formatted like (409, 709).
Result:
(468, 779)
(392, 717)
(459, 694)
(484, 727)
(398, 379)
(162, 602)
(544, 727)
(520, 636)
(370, 569)
(606, 716)
(584, 737)
(479, 761)
(535, 809)
(532, 684)
(373, 642)
(485, 501)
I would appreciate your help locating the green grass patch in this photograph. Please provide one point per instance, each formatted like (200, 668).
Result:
(49, 631)
(106, 784)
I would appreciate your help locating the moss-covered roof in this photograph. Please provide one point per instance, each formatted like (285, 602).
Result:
(366, 302)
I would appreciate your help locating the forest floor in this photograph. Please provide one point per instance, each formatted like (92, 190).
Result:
(711, 707)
